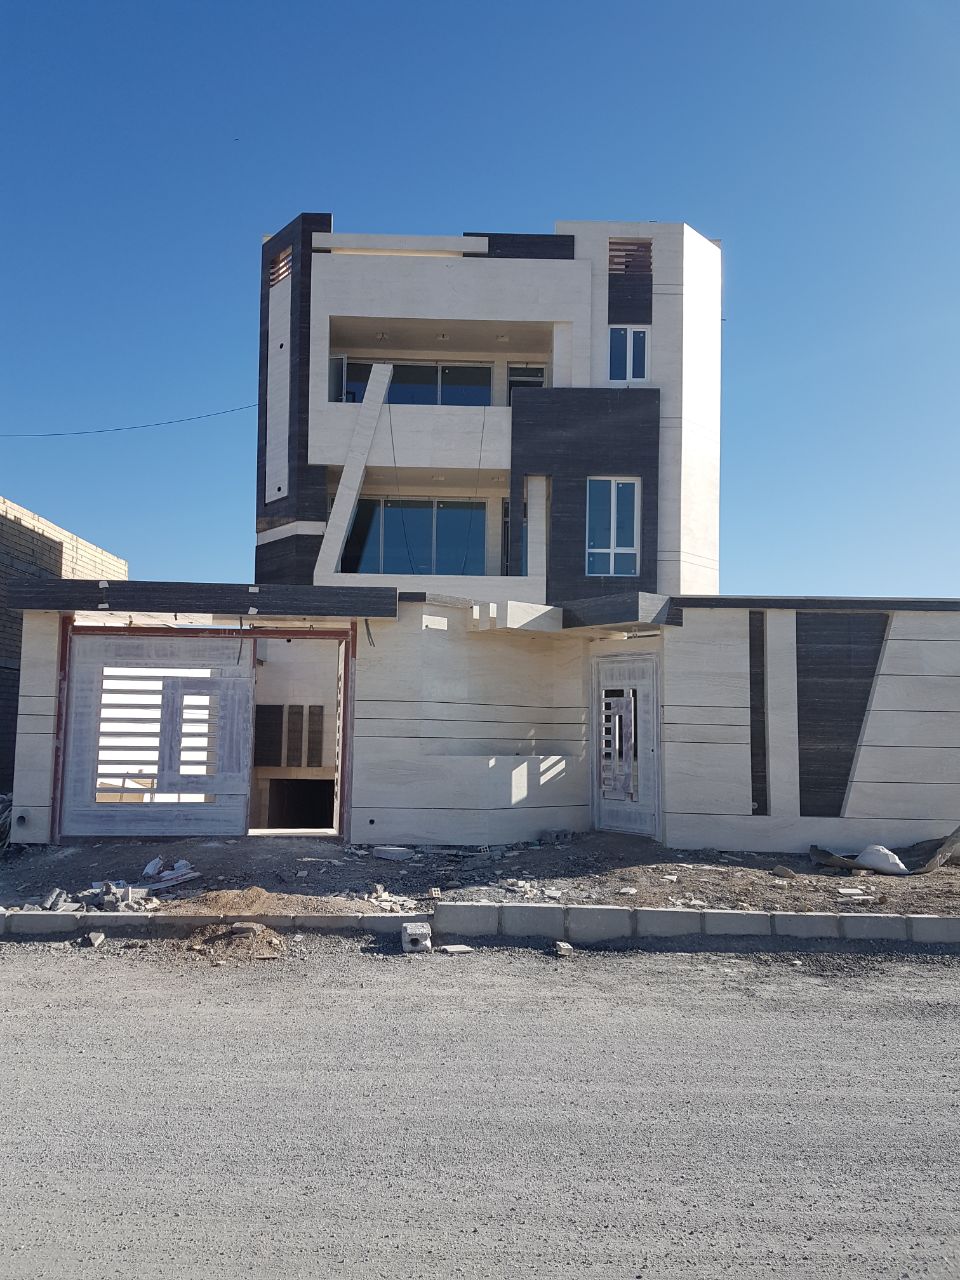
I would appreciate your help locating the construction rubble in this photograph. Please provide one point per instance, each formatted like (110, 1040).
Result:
(160, 876)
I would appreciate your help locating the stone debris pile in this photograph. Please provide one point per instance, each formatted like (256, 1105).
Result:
(117, 895)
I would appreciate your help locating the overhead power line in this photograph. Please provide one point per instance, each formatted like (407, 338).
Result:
(104, 431)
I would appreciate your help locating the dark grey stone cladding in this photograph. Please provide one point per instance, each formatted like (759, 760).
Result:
(837, 659)
(306, 498)
(630, 298)
(275, 601)
(758, 711)
(508, 245)
(569, 434)
(288, 560)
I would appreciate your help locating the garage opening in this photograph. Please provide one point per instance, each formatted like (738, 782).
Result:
(297, 728)
(300, 802)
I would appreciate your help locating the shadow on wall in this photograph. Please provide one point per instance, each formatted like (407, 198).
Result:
(24, 553)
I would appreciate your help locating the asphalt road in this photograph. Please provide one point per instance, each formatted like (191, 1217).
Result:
(503, 1114)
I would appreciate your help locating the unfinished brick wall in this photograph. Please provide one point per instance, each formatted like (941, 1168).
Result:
(31, 547)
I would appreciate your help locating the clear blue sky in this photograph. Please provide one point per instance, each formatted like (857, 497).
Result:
(147, 148)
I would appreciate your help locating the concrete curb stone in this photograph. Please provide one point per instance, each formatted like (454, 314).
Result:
(934, 928)
(37, 923)
(869, 927)
(533, 920)
(666, 922)
(809, 924)
(599, 924)
(467, 919)
(579, 924)
(741, 923)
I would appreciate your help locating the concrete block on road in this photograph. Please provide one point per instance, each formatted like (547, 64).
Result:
(739, 923)
(934, 928)
(38, 923)
(467, 919)
(664, 922)
(806, 924)
(532, 920)
(598, 924)
(870, 927)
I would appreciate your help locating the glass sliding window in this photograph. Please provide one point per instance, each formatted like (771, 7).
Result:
(618, 355)
(628, 354)
(523, 375)
(355, 383)
(613, 527)
(461, 537)
(407, 535)
(465, 384)
(638, 355)
(417, 535)
(413, 384)
(335, 382)
(363, 552)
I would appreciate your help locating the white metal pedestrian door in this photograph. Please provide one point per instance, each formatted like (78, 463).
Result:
(158, 738)
(626, 716)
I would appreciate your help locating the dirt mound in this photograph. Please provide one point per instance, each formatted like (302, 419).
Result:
(219, 942)
(257, 901)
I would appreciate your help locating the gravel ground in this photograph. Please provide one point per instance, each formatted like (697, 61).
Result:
(349, 1112)
(312, 875)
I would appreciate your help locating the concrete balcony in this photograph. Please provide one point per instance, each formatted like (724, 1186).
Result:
(438, 437)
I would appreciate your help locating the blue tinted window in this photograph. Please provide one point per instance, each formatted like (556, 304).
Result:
(625, 563)
(413, 384)
(598, 562)
(361, 554)
(464, 384)
(598, 513)
(357, 374)
(461, 537)
(407, 535)
(618, 355)
(335, 382)
(639, 354)
(626, 514)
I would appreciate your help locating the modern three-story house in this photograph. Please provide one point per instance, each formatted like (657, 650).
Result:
(486, 600)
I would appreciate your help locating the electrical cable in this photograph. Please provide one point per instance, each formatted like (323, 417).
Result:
(103, 431)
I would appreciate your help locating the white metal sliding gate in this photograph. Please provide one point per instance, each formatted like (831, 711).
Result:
(158, 737)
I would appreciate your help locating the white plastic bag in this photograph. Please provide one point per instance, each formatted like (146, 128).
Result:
(877, 858)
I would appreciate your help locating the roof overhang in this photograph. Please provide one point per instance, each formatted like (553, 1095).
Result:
(272, 600)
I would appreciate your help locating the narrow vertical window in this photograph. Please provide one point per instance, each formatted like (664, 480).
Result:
(628, 353)
(613, 526)
(618, 355)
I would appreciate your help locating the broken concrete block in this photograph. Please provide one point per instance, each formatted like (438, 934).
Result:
(435, 894)
(53, 900)
(392, 852)
(563, 950)
(415, 937)
(246, 927)
(96, 939)
(454, 949)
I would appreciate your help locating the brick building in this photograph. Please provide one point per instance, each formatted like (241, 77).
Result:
(31, 547)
